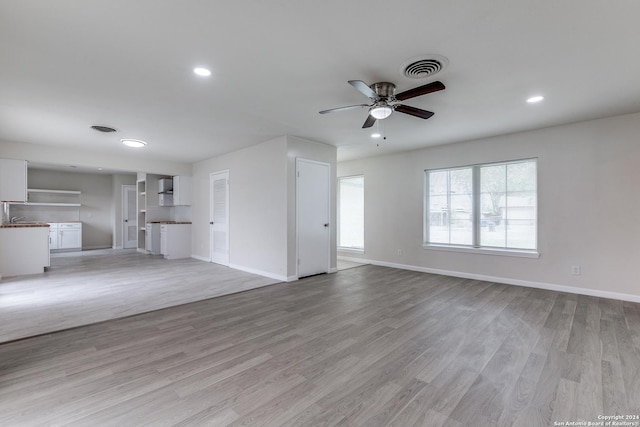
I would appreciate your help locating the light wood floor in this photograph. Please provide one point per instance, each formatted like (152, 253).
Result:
(87, 287)
(367, 346)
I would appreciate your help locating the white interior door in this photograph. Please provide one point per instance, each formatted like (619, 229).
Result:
(129, 217)
(219, 218)
(313, 213)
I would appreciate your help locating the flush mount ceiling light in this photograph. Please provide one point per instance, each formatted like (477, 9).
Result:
(135, 143)
(375, 135)
(203, 72)
(535, 99)
(381, 110)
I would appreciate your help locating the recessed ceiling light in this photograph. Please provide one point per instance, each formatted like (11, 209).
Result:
(375, 135)
(135, 143)
(202, 71)
(535, 99)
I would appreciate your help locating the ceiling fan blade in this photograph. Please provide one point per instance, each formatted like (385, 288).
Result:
(350, 107)
(363, 88)
(420, 90)
(369, 122)
(423, 114)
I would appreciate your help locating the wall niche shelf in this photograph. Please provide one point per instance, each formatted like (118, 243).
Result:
(51, 204)
(40, 190)
(45, 197)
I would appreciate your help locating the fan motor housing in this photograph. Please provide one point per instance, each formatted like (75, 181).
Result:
(384, 89)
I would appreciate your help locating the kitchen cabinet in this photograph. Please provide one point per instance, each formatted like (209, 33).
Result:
(23, 250)
(181, 190)
(13, 180)
(65, 236)
(69, 236)
(175, 240)
(53, 236)
(153, 238)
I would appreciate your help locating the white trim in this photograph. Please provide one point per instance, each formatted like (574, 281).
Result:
(200, 258)
(353, 250)
(333, 270)
(118, 247)
(483, 251)
(505, 280)
(94, 247)
(260, 272)
(292, 278)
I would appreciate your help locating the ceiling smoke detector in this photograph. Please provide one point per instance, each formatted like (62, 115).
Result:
(424, 66)
(105, 129)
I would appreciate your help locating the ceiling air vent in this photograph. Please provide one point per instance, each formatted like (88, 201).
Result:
(105, 129)
(422, 67)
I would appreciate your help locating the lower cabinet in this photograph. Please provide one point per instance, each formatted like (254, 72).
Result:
(65, 236)
(175, 240)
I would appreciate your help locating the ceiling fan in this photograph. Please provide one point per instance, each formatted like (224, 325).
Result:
(384, 100)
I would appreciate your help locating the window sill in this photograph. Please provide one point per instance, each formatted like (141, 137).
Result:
(352, 250)
(484, 251)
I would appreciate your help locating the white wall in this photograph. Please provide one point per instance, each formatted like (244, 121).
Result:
(262, 204)
(588, 197)
(257, 207)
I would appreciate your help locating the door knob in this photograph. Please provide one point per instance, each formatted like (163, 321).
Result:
(326, 225)
(210, 222)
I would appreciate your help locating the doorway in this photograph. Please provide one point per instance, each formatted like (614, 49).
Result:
(129, 217)
(313, 213)
(219, 217)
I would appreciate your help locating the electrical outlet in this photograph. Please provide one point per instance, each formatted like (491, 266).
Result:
(575, 270)
(399, 251)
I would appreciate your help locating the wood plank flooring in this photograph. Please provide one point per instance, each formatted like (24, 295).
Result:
(367, 346)
(92, 286)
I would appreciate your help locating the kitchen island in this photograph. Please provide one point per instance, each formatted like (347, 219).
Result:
(24, 249)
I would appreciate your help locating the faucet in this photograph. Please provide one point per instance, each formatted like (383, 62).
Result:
(15, 219)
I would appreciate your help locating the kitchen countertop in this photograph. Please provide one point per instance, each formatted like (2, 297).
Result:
(23, 225)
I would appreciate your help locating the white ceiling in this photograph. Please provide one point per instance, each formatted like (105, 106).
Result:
(66, 65)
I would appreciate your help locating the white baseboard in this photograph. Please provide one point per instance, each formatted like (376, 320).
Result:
(118, 247)
(200, 258)
(292, 278)
(352, 259)
(333, 270)
(259, 272)
(92, 248)
(505, 280)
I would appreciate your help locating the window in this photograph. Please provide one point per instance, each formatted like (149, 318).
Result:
(490, 206)
(351, 212)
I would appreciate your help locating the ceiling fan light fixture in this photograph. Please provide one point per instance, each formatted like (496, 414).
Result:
(381, 111)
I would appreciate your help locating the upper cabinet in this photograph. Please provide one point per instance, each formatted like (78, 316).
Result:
(13, 180)
(181, 190)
